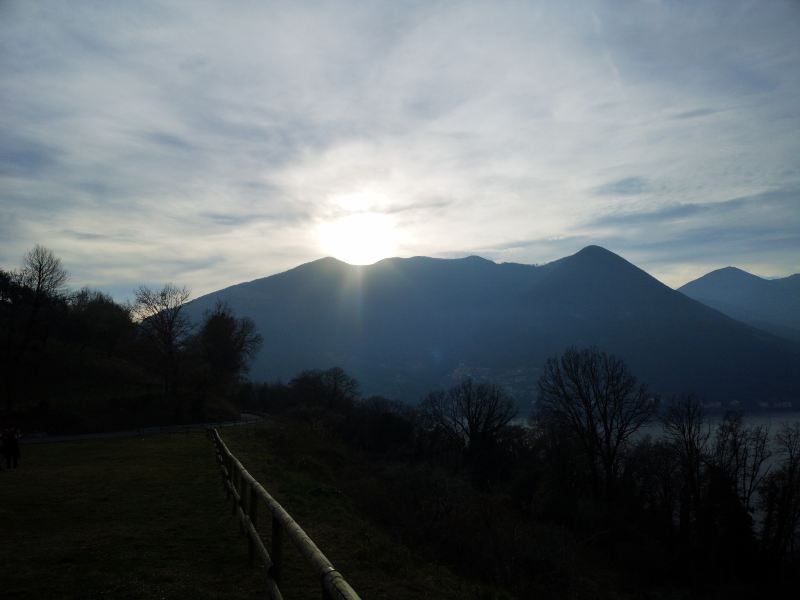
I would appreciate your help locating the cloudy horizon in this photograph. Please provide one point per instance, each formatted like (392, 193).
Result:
(206, 145)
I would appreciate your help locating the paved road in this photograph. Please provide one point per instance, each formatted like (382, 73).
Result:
(244, 419)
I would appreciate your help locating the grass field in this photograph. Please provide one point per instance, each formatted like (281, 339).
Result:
(147, 518)
(120, 518)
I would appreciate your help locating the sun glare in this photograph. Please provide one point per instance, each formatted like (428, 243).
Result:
(359, 239)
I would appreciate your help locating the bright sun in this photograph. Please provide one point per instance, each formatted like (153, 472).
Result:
(359, 239)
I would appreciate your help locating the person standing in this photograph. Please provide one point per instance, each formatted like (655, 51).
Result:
(9, 444)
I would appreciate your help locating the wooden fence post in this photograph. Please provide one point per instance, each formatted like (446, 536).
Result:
(243, 497)
(229, 473)
(277, 550)
(235, 485)
(253, 513)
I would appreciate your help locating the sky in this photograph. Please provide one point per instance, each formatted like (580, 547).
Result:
(210, 143)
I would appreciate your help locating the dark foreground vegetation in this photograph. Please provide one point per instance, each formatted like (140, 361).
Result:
(81, 362)
(579, 504)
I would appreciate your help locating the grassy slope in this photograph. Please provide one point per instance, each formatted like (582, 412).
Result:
(123, 518)
(147, 518)
(300, 468)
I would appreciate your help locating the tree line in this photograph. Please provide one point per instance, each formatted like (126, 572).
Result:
(602, 471)
(80, 361)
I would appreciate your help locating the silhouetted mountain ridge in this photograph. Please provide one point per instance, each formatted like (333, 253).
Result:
(769, 304)
(404, 326)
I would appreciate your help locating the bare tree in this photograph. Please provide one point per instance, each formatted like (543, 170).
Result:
(43, 273)
(595, 395)
(788, 441)
(686, 428)
(780, 498)
(741, 451)
(473, 414)
(160, 319)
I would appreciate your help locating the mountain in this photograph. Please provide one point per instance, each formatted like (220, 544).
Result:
(405, 326)
(769, 304)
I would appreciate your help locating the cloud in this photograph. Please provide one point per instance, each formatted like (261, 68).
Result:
(424, 206)
(203, 145)
(773, 208)
(168, 140)
(629, 186)
(83, 235)
(22, 157)
(287, 216)
(698, 112)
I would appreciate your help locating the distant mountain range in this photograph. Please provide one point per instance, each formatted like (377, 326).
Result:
(769, 304)
(406, 326)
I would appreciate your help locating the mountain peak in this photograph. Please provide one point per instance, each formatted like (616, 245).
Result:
(594, 249)
(769, 304)
(329, 260)
(725, 276)
(594, 273)
(595, 257)
(734, 272)
(327, 264)
(474, 258)
(596, 253)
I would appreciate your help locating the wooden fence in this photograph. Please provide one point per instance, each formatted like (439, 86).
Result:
(246, 494)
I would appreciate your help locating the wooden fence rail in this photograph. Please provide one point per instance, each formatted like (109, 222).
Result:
(246, 494)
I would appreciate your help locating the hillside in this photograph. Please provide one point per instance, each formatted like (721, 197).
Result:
(769, 304)
(404, 326)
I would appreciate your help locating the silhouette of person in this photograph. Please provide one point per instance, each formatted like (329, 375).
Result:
(9, 443)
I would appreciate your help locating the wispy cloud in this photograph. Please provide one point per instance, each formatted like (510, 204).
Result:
(771, 208)
(629, 186)
(203, 144)
(696, 113)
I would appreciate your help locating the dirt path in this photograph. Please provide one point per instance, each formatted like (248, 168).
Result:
(244, 419)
